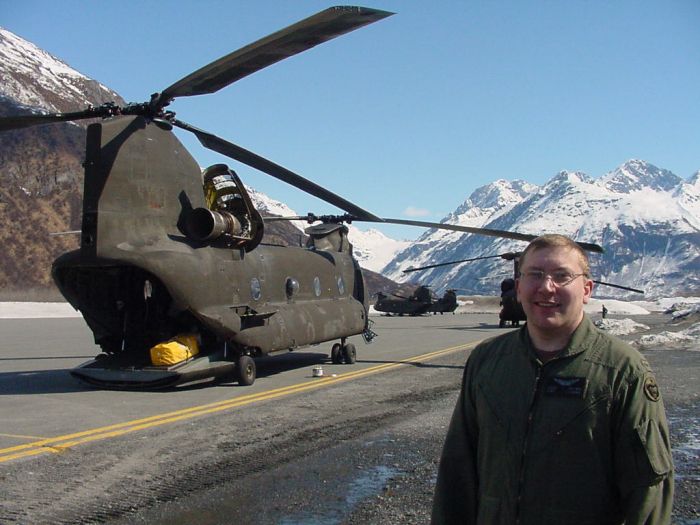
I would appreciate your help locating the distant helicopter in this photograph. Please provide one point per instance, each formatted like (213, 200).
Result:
(421, 301)
(445, 304)
(172, 276)
(511, 309)
(418, 303)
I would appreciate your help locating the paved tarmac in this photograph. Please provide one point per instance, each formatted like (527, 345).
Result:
(361, 447)
(41, 400)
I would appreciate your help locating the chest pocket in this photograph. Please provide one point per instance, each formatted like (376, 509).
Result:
(502, 408)
(575, 416)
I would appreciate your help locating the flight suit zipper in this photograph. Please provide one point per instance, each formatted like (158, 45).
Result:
(526, 441)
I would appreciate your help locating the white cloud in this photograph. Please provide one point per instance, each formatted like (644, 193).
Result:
(416, 212)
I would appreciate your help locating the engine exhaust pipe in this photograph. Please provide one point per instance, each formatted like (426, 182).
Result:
(206, 225)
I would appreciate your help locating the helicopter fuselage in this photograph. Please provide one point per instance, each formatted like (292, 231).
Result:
(140, 279)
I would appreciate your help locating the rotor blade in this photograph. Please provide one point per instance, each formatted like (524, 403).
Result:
(312, 217)
(408, 270)
(275, 170)
(618, 286)
(508, 256)
(484, 231)
(303, 35)
(273, 218)
(26, 121)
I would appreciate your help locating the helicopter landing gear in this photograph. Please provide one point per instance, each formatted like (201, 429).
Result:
(337, 354)
(245, 370)
(343, 353)
(349, 353)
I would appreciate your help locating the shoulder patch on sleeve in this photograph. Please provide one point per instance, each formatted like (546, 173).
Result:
(651, 388)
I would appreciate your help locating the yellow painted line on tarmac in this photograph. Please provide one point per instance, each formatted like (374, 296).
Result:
(59, 444)
(20, 436)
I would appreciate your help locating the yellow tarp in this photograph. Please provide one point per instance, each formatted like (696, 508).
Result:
(177, 350)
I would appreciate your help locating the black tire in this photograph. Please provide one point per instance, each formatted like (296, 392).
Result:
(245, 370)
(337, 354)
(349, 354)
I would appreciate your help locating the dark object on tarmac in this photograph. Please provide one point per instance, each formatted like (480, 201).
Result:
(511, 309)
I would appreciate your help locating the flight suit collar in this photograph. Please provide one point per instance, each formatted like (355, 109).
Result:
(582, 339)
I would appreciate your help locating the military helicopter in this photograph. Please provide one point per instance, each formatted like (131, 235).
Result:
(420, 302)
(511, 309)
(172, 257)
(445, 304)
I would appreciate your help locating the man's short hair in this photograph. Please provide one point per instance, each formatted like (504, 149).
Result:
(555, 240)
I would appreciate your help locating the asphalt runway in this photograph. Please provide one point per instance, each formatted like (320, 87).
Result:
(43, 406)
(357, 448)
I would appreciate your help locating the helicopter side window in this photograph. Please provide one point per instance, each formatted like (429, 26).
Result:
(341, 285)
(255, 288)
(317, 286)
(291, 287)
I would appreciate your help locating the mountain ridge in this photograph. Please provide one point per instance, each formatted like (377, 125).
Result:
(646, 217)
(41, 174)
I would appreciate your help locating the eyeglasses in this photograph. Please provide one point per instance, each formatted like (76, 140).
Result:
(559, 278)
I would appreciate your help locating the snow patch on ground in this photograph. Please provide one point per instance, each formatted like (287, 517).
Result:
(18, 310)
(689, 338)
(620, 326)
(616, 307)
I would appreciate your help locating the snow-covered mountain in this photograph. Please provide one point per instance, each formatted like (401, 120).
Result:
(41, 167)
(372, 249)
(646, 218)
(34, 78)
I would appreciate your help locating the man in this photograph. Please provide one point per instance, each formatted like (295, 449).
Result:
(558, 422)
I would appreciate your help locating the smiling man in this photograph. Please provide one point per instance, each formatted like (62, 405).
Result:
(557, 422)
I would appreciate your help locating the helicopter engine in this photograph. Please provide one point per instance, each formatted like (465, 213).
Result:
(229, 211)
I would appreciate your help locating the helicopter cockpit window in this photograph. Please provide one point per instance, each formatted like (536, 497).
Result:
(255, 288)
(328, 237)
(317, 286)
(341, 285)
(291, 287)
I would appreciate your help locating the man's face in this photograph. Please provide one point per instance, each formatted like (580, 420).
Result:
(553, 309)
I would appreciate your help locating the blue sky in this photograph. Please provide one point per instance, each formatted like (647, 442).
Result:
(418, 110)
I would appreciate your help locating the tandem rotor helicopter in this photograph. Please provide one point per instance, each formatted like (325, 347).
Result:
(171, 275)
(420, 302)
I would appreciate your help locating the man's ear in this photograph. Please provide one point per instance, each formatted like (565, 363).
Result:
(587, 290)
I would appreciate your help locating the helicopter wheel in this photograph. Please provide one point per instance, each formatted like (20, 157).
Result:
(246, 370)
(336, 354)
(349, 353)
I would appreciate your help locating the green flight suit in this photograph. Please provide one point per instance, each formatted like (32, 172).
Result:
(582, 439)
